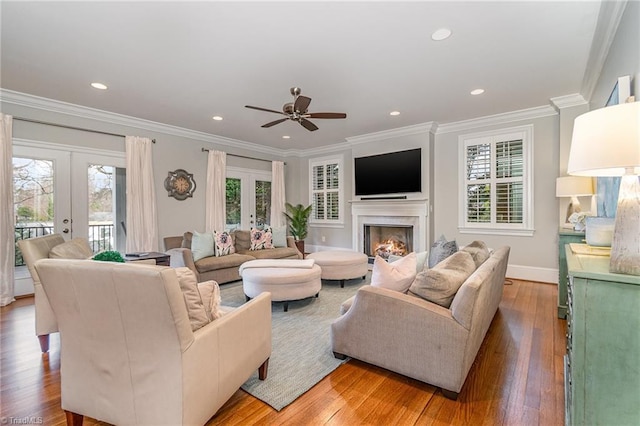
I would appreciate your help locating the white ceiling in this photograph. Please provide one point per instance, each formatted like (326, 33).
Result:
(181, 63)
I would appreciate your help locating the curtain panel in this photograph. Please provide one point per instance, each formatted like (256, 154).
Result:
(216, 194)
(7, 232)
(142, 220)
(277, 194)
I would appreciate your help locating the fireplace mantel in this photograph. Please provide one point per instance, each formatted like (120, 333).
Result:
(412, 212)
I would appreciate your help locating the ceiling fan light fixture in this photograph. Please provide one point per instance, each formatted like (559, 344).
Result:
(441, 34)
(298, 111)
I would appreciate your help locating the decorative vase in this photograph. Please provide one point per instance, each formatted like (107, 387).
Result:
(300, 246)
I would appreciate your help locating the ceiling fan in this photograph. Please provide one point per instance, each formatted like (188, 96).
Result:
(298, 111)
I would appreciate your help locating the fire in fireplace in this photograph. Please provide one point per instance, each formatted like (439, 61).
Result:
(385, 240)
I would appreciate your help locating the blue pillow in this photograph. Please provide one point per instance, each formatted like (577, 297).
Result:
(279, 236)
(441, 249)
(202, 245)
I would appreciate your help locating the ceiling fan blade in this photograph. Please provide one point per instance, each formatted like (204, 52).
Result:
(301, 104)
(326, 115)
(273, 123)
(263, 109)
(308, 125)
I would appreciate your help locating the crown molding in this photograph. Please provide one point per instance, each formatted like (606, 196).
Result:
(60, 107)
(415, 129)
(609, 18)
(328, 149)
(567, 101)
(498, 119)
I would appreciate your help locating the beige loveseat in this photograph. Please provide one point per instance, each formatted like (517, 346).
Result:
(53, 246)
(224, 269)
(417, 338)
(128, 352)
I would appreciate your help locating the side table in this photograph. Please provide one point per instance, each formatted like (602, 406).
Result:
(161, 259)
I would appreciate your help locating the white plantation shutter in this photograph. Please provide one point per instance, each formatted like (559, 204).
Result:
(497, 184)
(326, 190)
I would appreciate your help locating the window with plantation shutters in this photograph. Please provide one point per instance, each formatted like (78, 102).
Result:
(496, 188)
(326, 181)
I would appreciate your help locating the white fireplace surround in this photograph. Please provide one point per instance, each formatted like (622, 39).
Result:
(390, 213)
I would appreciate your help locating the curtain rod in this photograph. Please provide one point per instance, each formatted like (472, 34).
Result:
(243, 156)
(64, 126)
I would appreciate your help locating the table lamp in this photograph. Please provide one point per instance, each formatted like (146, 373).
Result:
(606, 142)
(574, 187)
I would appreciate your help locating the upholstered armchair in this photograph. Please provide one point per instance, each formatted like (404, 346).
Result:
(128, 352)
(38, 248)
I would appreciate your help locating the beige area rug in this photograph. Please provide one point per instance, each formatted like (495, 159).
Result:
(301, 350)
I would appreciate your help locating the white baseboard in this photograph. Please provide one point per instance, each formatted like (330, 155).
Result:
(313, 248)
(533, 273)
(23, 286)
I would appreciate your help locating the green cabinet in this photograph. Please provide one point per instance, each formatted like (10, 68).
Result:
(602, 364)
(565, 236)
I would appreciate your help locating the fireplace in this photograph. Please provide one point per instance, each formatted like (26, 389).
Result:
(386, 240)
(399, 216)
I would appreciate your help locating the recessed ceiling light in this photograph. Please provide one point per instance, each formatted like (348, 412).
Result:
(286, 137)
(99, 86)
(477, 92)
(217, 118)
(394, 113)
(441, 34)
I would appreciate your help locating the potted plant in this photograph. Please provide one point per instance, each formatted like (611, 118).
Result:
(298, 217)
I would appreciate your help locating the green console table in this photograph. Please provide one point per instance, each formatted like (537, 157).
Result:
(602, 364)
(565, 236)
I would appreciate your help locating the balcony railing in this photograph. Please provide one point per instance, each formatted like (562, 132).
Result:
(101, 237)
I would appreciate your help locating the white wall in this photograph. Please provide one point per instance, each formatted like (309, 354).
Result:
(360, 146)
(531, 257)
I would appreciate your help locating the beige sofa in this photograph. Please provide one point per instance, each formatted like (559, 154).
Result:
(417, 338)
(128, 352)
(224, 269)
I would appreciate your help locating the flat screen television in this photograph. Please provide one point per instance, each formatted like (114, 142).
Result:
(391, 173)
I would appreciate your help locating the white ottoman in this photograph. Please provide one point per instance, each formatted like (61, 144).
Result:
(341, 264)
(285, 279)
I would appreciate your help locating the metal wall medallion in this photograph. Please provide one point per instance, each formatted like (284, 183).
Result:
(180, 184)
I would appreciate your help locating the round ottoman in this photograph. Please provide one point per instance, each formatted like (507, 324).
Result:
(285, 284)
(341, 264)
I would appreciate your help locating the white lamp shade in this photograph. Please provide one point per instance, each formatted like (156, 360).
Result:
(570, 186)
(606, 142)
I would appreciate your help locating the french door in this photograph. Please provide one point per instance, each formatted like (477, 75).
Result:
(71, 191)
(248, 198)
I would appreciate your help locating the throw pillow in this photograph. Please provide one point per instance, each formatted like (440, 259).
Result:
(421, 260)
(192, 300)
(261, 239)
(396, 276)
(77, 248)
(210, 294)
(279, 235)
(478, 251)
(223, 243)
(441, 249)
(202, 245)
(440, 283)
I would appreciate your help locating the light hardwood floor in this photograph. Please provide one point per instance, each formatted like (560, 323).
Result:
(517, 378)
